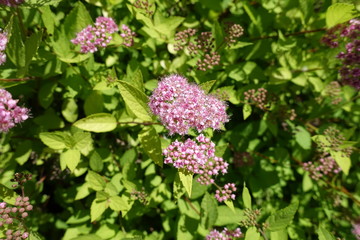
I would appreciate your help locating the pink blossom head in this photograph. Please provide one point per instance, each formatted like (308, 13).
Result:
(181, 106)
(3, 43)
(98, 36)
(10, 113)
(11, 3)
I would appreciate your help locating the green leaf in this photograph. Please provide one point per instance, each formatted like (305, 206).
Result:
(77, 20)
(206, 86)
(7, 195)
(15, 48)
(137, 80)
(186, 179)
(151, 143)
(82, 191)
(94, 103)
(95, 181)
(71, 157)
(88, 237)
(246, 197)
(54, 140)
(324, 234)
(279, 235)
(303, 137)
(119, 204)
(136, 100)
(252, 234)
(282, 218)
(342, 160)
(98, 122)
(83, 142)
(227, 216)
(97, 208)
(178, 187)
(23, 152)
(208, 211)
(69, 110)
(230, 204)
(340, 13)
(96, 162)
(46, 94)
(48, 17)
(246, 111)
(240, 45)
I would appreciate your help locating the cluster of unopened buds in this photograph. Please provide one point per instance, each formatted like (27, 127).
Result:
(335, 141)
(257, 97)
(349, 34)
(140, 195)
(333, 91)
(181, 106)
(251, 220)
(145, 6)
(225, 234)
(10, 113)
(11, 3)
(3, 43)
(203, 44)
(14, 216)
(326, 166)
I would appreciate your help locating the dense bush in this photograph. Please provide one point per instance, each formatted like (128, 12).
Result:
(179, 119)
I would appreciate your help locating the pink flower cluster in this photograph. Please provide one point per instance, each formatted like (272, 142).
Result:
(181, 106)
(12, 215)
(226, 192)
(10, 113)
(127, 35)
(325, 166)
(98, 36)
(3, 42)
(225, 234)
(11, 3)
(349, 34)
(356, 230)
(196, 157)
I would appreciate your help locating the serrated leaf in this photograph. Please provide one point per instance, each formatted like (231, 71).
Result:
(230, 204)
(95, 181)
(279, 235)
(137, 80)
(186, 180)
(340, 13)
(7, 195)
(246, 111)
(303, 137)
(83, 142)
(252, 234)
(208, 211)
(178, 187)
(324, 234)
(98, 122)
(240, 45)
(82, 191)
(282, 218)
(69, 110)
(206, 86)
(97, 209)
(71, 157)
(151, 143)
(227, 216)
(246, 197)
(119, 204)
(342, 160)
(77, 20)
(136, 100)
(54, 140)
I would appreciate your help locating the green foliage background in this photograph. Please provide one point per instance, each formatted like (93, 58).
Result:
(90, 143)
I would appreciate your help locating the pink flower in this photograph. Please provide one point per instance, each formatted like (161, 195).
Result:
(196, 157)
(181, 106)
(93, 37)
(128, 36)
(10, 113)
(3, 42)
(225, 234)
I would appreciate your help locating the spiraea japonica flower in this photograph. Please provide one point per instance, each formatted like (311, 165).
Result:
(11, 3)
(10, 113)
(98, 36)
(225, 234)
(127, 35)
(181, 106)
(347, 34)
(356, 230)
(196, 157)
(3, 42)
